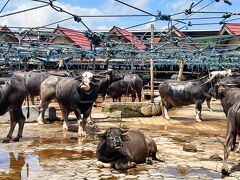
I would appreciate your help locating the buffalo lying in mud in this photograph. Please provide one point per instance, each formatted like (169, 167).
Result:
(125, 149)
(12, 95)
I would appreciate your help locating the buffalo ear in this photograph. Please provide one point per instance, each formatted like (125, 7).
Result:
(102, 137)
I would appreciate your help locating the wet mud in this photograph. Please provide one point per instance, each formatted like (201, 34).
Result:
(47, 152)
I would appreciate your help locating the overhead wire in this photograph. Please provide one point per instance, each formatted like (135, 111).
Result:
(4, 6)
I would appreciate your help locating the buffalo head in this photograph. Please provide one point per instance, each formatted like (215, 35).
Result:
(114, 138)
(222, 87)
(86, 78)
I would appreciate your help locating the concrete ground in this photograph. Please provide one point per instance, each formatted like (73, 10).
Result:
(47, 152)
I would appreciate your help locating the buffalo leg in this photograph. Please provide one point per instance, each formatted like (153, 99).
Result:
(32, 99)
(124, 164)
(229, 143)
(164, 110)
(82, 125)
(208, 100)
(65, 114)
(133, 96)
(43, 106)
(21, 125)
(198, 110)
(13, 122)
(139, 94)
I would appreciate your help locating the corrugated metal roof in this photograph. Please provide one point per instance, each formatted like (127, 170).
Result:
(76, 37)
(129, 36)
(233, 28)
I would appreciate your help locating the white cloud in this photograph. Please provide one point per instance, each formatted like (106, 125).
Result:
(47, 15)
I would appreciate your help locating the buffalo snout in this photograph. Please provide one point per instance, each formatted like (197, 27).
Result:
(117, 141)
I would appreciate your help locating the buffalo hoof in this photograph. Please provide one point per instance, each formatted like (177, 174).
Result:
(199, 120)
(167, 118)
(225, 172)
(7, 140)
(65, 127)
(16, 139)
(90, 122)
(82, 134)
(100, 164)
(132, 164)
(148, 161)
(40, 122)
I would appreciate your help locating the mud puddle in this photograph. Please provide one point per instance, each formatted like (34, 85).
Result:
(184, 172)
(28, 164)
(15, 165)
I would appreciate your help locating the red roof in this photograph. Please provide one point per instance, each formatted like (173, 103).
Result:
(8, 32)
(233, 28)
(156, 40)
(76, 37)
(178, 32)
(129, 37)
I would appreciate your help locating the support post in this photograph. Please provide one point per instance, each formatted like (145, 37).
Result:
(151, 65)
(180, 72)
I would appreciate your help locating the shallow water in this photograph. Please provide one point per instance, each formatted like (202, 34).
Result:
(21, 165)
(14, 165)
(180, 172)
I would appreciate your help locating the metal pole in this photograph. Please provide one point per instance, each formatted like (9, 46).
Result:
(151, 66)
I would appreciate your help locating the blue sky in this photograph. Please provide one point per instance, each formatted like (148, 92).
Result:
(47, 15)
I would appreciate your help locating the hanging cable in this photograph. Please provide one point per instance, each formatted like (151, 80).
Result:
(4, 6)
(135, 8)
(22, 11)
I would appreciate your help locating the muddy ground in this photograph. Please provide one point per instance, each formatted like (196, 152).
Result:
(46, 152)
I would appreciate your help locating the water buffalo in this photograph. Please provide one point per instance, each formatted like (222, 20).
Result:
(233, 129)
(78, 96)
(181, 93)
(32, 80)
(124, 149)
(119, 88)
(135, 83)
(47, 94)
(112, 76)
(230, 100)
(228, 93)
(12, 95)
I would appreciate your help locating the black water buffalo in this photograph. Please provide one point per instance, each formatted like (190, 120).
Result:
(112, 76)
(135, 83)
(12, 95)
(78, 96)
(233, 129)
(32, 80)
(230, 100)
(227, 92)
(181, 93)
(124, 149)
(119, 88)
